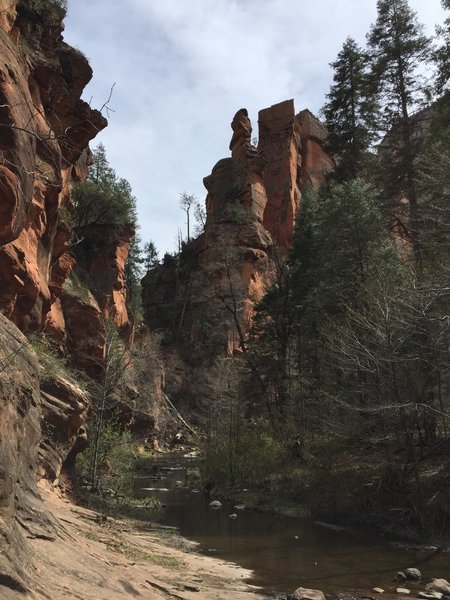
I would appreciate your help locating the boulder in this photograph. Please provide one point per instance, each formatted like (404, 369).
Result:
(307, 594)
(439, 585)
(412, 574)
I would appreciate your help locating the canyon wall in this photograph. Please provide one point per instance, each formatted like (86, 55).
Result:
(252, 203)
(45, 129)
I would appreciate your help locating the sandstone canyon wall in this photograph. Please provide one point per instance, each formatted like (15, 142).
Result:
(206, 296)
(45, 129)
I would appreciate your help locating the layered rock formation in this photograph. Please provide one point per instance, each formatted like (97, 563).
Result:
(252, 202)
(43, 149)
(45, 131)
(40, 423)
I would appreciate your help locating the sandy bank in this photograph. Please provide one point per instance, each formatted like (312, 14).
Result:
(93, 560)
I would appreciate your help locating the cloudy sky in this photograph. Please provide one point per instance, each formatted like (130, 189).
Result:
(182, 68)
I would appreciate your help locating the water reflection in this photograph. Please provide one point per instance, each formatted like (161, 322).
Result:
(285, 552)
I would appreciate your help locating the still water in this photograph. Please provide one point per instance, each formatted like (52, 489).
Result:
(284, 552)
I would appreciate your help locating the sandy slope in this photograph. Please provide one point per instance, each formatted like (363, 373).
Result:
(93, 560)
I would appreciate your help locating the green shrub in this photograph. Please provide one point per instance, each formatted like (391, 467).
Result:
(44, 12)
(75, 286)
(241, 459)
(237, 213)
(53, 364)
(116, 453)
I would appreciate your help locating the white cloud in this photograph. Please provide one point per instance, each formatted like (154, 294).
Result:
(183, 68)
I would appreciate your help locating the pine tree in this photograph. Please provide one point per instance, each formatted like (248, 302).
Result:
(399, 51)
(104, 199)
(340, 246)
(350, 111)
(100, 171)
(442, 54)
(133, 276)
(150, 256)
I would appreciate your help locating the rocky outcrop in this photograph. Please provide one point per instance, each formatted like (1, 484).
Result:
(279, 144)
(103, 271)
(41, 416)
(63, 414)
(45, 131)
(23, 514)
(253, 200)
(85, 329)
(19, 413)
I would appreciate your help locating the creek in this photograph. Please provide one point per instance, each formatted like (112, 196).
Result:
(283, 552)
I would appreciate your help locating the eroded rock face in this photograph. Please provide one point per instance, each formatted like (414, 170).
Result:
(63, 413)
(45, 130)
(104, 272)
(85, 330)
(279, 141)
(22, 513)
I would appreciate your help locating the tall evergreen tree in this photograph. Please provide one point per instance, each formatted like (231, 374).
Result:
(399, 51)
(133, 276)
(442, 54)
(104, 198)
(350, 111)
(150, 256)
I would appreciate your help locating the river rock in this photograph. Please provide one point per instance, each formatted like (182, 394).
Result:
(307, 594)
(400, 576)
(215, 504)
(378, 590)
(404, 591)
(412, 574)
(233, 516)
(431, 595)
(439, 585)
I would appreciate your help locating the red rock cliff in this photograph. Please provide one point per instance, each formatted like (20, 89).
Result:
(252, 202)
(45, 130)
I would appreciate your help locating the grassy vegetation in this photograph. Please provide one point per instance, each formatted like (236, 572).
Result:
(53, 364)
(133, 552)
(77, 287)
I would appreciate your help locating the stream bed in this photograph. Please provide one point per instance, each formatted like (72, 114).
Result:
(283, 552)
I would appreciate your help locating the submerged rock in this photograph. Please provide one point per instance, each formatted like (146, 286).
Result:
(308, 594)
(439, 585)
(215, 504)
(412, 574)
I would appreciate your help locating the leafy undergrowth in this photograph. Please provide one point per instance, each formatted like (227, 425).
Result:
(366, 482)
